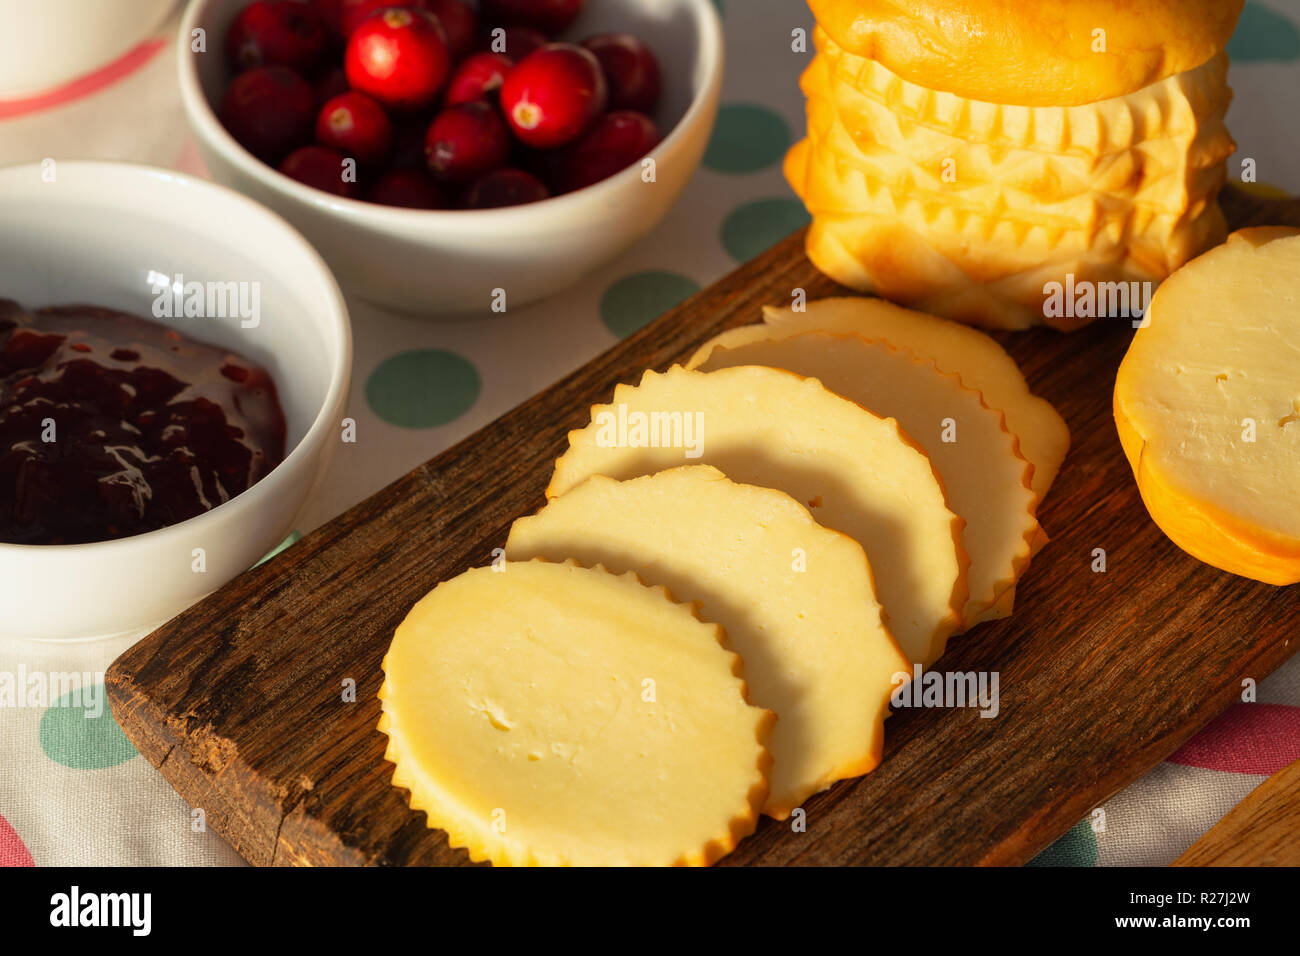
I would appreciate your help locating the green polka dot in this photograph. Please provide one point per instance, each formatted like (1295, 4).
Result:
(633, 301)
(757, 226)
(1078, 847)
(747, 138)
(293, 538)
(1264, 34)
(423, 388)
(78, 731)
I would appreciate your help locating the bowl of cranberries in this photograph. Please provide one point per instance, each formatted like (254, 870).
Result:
(448, 156)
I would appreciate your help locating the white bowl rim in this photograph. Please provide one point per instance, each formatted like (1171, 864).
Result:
(340, 373)
(201, 113)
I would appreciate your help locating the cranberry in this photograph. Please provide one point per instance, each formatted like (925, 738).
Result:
(514, 42)
(357, 126)
(553, 95)
(505, 187)
(465, 141)
(408, 141)
(459, 22)
(331, 83)
(399, 57)
(269, 110)
(328, 10)
(321, 168)
(279, 33)
(478, 76)
(548, 16)
(411, 188)
(616, 141)
(631, 70)
(352, 12)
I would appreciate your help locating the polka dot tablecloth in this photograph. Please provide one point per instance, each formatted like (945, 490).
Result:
(74, 791)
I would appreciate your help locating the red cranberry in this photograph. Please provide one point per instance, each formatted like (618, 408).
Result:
(631, 70)
(278, 33)
(269, 110)
(411, 188)
(399, 57)
(553, 95)
(615, 142)
(408, 141)
(514, 42)
(328, 11)
(352, 12)
(478, 76)
(465, 141)
(357, 126)
(321, 168)
(548, 16)
(331, 83)
(459, 22)
(505, 187)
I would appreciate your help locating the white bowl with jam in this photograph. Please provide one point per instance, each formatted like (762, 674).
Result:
(174, 364)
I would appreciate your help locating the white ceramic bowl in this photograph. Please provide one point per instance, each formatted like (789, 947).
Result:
(44, 43)
(451, 261)
(101, 233)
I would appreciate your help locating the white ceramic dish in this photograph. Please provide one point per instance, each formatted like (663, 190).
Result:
(450, 262)
(44, 43)
(101, 234)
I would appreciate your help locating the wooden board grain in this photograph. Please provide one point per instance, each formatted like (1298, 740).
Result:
(241, 703)
(1262, 830)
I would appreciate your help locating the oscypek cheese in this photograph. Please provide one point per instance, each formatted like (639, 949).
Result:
(855, 471)
(1207, 403)
(978, 360)
(983, 472)
(796, 601)
(518, 716)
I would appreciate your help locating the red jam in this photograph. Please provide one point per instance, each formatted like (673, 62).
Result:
(112, 425)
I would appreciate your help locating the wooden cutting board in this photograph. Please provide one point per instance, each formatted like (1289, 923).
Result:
(241, 700)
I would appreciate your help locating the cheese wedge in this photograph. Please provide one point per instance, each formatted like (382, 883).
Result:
(857, 473)
(1207, 403)
(519, 716)
(795, 599)
(975, 358)
(968, 443)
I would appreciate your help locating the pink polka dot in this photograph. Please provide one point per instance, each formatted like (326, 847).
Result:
(12, 850)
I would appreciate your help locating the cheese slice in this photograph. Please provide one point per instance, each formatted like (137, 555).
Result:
(968, 443)
(795, 599)
(518, 716)
(974, 357)
(858, 474)
(1207, 403)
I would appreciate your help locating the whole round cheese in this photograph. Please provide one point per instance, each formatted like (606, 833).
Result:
(986, 477)
(549, 714)
(855, 471)
(795, 599)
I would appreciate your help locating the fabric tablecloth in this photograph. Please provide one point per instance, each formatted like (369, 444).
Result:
(73, 790)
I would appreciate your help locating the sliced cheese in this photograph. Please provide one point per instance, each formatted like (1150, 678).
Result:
(517, 716)
(795, 599)
(978, 360)
(857, 472)
(983, 472)
(1207, 403)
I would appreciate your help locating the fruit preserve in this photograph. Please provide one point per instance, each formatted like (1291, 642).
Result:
(113, 425)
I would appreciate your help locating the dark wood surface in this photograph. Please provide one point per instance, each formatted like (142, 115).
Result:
(1259, 831)
(240, 700)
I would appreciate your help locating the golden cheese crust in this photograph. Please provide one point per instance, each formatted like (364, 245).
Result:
(1030, 53)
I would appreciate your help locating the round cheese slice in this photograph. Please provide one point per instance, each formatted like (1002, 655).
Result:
(549, 714)
(795, 599)
(986, 478)
(857, 473)
(974, 357)
(1207, 403)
